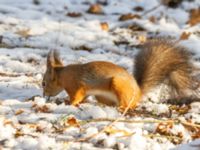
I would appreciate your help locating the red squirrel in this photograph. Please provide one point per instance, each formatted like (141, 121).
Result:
(158, 61)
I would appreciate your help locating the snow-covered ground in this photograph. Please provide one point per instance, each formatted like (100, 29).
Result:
(30, 28)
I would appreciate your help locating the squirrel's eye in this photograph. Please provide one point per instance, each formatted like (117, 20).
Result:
(43, 84)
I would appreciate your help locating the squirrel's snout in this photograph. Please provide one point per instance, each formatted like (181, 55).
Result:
(48, 98)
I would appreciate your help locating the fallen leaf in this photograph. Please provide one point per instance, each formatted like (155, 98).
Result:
(8, 122)
(136, 27)
(33, 61)
(129, 16)
(181, 110)
(31, 125)
(196, 135)
(18, 134)
(39, 129)
(18, 112)
(152, 19)
(104, 26)
(194, 131)
(24, 33)
(72, 121)
(95, 9)
(185, 35)
(43, 109)
(74, 14)
(34, 105)
(83, 47)
(164, 128)
(138, 8)
(172, 3)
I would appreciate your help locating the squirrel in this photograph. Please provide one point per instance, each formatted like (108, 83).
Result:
(159, 61)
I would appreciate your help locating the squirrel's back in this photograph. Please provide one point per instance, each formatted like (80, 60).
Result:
(163, 61)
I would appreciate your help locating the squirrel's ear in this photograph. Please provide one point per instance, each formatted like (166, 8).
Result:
(57, 59)
(50, 64)
(50, 60)
(53, 59)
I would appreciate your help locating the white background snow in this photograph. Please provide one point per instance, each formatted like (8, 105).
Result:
(29, 30)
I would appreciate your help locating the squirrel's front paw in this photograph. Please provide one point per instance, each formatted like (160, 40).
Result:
(75, 104)
(67, 102)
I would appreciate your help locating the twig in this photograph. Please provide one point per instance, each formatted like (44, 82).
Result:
(3, 74)
(175, 121)
(152, 9)
(170, 137)
(109, 125)
(127, 121)
(185, 123)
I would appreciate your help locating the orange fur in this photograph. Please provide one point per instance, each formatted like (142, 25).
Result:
(160, 61)
(111, 84)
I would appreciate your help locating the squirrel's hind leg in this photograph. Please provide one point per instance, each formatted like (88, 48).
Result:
(127, 92)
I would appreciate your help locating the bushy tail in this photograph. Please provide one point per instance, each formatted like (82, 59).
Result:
(163, 61)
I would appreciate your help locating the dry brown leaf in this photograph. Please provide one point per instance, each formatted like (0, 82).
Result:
(185, 35)
(129, 16)
(95, 9)
(196, 135)
(184, 109)
(83, 47)
(104, 26)
(172, 3)
(164, 128)
(58, 129)
(195, 131)
(8, 122)
(136, 27)
(176, 141)
(19, 111)
(34, 105)
(152, 19)
(18, 134)
(180, 134)
(74, 14)
(31, 125)
(138, 8)
(33, 61)
(39, 129)
(72, 121)
(180, 110)
(24, 33)
(194, 17)
(43, 109)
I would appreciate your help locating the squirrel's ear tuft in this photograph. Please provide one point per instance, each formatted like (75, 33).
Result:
(53, 59)
(50, 59)
(57, 59)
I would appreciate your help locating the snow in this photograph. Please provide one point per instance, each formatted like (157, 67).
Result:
(29, 31)
(194, 145)
(138, 142)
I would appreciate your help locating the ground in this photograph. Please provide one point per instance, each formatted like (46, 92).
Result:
(110, 31)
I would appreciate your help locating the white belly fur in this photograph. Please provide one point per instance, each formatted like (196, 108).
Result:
(111, 96)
